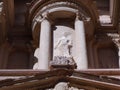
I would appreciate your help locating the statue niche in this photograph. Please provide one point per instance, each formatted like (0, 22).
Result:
(62, 50)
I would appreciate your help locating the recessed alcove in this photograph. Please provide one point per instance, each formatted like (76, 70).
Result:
(62, 31)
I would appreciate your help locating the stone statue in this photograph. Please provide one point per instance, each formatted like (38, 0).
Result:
(63, 46)
(62, 51)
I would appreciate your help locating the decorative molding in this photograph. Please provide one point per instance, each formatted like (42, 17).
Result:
(56, 6)
(80, 16)
(44, 3)
(39, 6)
(62, 4)
(72, 8)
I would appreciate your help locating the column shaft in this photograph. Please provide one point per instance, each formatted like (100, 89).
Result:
(80, 45)
(45, 45)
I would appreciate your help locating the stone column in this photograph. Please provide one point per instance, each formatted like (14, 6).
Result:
(80, 44)
(45, 44)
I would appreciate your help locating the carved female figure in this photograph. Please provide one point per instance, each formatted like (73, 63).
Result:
(63, 46)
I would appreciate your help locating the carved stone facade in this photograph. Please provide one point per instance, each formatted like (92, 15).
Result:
(64, 45)
(61, 32)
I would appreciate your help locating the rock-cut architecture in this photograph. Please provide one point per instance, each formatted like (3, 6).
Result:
(45, 35)
(41, 34)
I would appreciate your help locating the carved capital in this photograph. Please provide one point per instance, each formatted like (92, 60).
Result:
(115, 39)
(40, 18)
(82, 17)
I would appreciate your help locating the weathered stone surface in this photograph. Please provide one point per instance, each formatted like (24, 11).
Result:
(63, 46)
(62, 60)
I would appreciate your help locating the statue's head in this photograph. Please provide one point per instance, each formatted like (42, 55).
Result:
(65, 34)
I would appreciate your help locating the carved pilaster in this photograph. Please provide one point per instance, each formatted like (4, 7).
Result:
(116, 40)
(44, 53)
(80, 49)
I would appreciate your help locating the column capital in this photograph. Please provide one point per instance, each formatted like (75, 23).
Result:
(45, 15)
(81, 17)
(115, 39)
(41, 17)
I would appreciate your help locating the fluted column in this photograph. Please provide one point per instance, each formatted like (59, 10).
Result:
(80, 44)
(45, 44)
